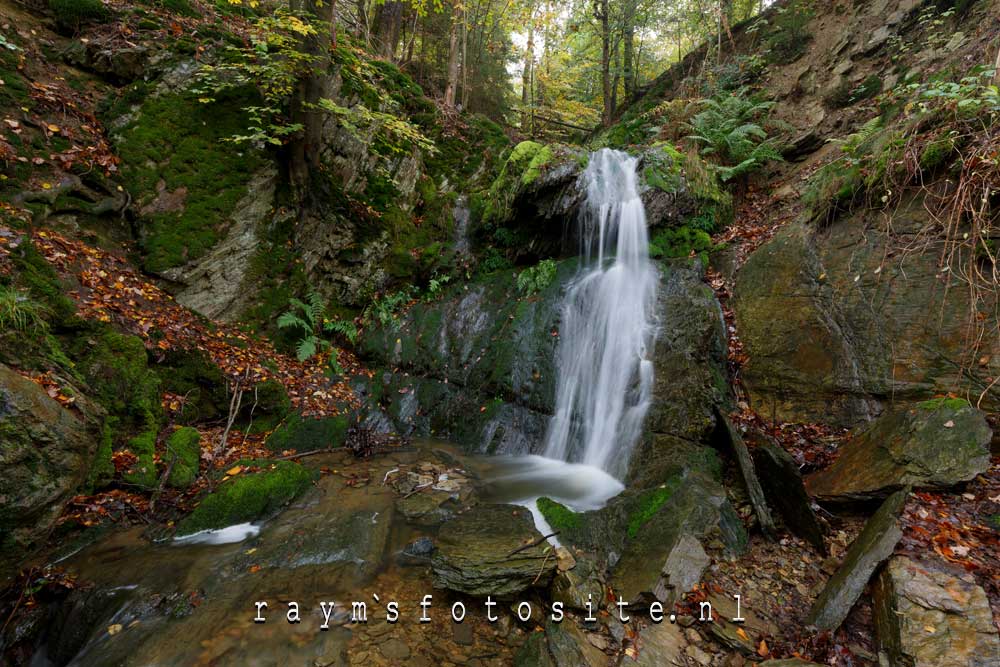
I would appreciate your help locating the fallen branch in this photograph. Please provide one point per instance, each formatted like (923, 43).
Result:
(532, 544)
(311, 452)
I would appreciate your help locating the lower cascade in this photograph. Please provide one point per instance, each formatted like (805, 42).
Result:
(608, 327)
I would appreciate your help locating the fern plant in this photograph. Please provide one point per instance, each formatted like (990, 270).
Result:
(728, 128)
(537, 277)
(307, 318)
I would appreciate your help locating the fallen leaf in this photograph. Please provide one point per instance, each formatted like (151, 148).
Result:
(114, 629)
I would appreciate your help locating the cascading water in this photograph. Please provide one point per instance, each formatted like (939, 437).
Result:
(607, 330)
(605, 376)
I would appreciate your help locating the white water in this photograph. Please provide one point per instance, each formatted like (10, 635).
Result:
(605, 375)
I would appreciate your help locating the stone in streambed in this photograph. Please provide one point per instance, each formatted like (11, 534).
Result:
(875, 543)
(935, 444)
(785, 491)
(573, 586)
(925, 616)
(474, 554)
(660, 644)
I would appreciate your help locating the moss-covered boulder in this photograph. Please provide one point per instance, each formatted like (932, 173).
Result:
(249, 497)
(475, 553)
(183, 451)
(142, 472)
(303, 434)
(937, 443)
(45, 453)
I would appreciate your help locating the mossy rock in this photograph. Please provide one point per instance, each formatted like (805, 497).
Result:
(193, 375)
(102, 470)
(184, 449)
(142, 473)
(303, 434)
(249, 497)
(117, 373)
(70, 15)
(272, 406)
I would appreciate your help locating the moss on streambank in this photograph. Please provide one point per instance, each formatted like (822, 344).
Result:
(559, 517)
(307, 433)
(249, 497)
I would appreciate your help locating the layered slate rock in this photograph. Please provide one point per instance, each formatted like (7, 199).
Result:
(927, 617)
(45, 453)
(785, 491)
(937, 444)
(832, 327)
(476, 553)
(750, 479)
(873, 546)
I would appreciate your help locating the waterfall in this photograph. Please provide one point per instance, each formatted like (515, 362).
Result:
(607, 330)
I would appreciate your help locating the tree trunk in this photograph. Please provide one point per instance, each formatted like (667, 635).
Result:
(601, 13)
(628, 48)
(453, 55)
(465, 63)
(310, 89)
(526, 74)
(388, 21)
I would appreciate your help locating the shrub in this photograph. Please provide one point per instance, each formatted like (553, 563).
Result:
(537, 277)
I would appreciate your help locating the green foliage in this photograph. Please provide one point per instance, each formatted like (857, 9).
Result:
(385, 309)
(536, 278)
(306, 317)
(183, 448)
(249, 497)
(182, 7)
(71, 14)
(304, 434)
(729, 129)
(20, 312)
(559, 517)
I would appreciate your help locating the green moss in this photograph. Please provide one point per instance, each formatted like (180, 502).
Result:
(184, 449)
(102, 470)
(249, 497)
(176, 143)
(115, 368)
(273, 405)
(559, 517)
(948, 402)
(936, 153)
(647, 505)
(681, 242)
(143, 472)
(534, 169)
(306, 433)
(664, 168)
(71, 14)
(40, 279)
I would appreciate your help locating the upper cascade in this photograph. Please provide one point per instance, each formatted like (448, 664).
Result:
(608, 324)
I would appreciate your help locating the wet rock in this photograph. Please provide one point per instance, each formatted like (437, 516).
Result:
(394, 649)
(427, 508)
(785, 491)
(534, 652)
(474, 554)
(938, 444)
(753, 487)
(875, 544)
(573, 586)
(925, 617)
(45, 454)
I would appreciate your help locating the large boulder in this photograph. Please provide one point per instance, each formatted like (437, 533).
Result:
(784, 490)
(836, 324)
(938, 443)
(926, 616)
(476, 366)
(873, 546)
(492, 550)
(45, 454)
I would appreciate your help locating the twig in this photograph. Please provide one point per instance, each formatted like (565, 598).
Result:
(532, 544)
(299, 455)
(418, 489)
(163, 482)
